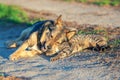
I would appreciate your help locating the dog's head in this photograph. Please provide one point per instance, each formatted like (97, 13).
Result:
(48, 32)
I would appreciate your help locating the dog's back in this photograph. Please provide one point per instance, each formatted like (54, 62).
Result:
(37, 26)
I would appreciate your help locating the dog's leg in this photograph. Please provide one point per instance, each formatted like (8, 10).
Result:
(24, 54)
(17, 42)
(20, 52)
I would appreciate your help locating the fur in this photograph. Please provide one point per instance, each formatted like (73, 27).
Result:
(33, 38)
(30, 39)
(65, 42)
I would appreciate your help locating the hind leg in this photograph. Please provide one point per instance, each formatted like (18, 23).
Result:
(17, 42)
(20, 51)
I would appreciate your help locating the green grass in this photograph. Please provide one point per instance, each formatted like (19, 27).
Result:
(107, 2)
(99, 2)
(1, 74)
(115, 43)
(15, 15)
(90, 32)
(12, 13)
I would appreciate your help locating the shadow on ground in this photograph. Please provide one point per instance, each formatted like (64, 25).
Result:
(83, 66)
(9, 30)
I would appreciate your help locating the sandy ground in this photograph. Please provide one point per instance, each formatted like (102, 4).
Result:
(79, 13)
(83, 66)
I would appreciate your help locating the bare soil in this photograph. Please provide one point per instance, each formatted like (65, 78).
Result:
(9, 78)
(73, 12)
(88, 65)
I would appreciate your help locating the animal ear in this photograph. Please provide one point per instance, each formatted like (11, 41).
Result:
(70, 34)
(58, 22)
(59, 19)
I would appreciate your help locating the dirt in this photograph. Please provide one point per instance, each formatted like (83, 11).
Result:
(82, 66)
(74, 12)
(9, 78)
(88, 65)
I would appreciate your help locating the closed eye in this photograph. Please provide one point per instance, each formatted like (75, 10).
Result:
(58, 42)
(49, 47)
(51, 36)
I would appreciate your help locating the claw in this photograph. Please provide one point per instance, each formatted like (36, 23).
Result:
(14, 57)
(53, 59)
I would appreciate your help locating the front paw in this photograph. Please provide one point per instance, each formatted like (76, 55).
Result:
(14, 57)
(50, 53)
(54, 59)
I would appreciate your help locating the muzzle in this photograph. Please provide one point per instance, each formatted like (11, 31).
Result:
(42, 46)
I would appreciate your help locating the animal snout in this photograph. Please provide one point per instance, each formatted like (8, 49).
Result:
(42, 46)
(45, 48)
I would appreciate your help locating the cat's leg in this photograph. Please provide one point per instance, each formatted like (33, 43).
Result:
(62, 54)
(68, 51)
(59, 56)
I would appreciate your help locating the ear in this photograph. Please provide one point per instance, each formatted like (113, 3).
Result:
(58, 21)
(70, 34)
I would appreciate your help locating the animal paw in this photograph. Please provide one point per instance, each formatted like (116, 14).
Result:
(53, 59)
(11, 44)
(14, 57)
(59, 56)
(49, 54)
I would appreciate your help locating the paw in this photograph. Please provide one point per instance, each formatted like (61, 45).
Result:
(49, 54)
(53, 59)
(10, 44)
(14, 57)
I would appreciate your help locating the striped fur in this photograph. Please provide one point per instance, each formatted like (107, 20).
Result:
(64, 42)
(77, 43)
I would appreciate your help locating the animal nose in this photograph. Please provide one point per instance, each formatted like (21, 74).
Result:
(42, 46)
(43, 49)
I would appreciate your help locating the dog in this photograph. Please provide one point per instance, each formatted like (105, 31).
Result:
(29, 39)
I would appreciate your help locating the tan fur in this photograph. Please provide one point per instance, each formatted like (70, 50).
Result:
(61, 40)
(31, 42)
(17, 42)
(54, 34)
(66, 43)
(74, 44)
(21, 52)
